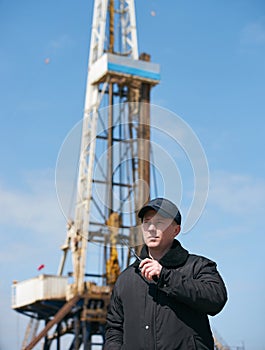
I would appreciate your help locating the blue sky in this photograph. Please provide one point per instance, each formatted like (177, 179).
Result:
(212, 75)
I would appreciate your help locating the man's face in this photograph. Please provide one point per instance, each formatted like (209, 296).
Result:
(158, 231)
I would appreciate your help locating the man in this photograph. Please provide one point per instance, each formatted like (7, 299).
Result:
(163, 301)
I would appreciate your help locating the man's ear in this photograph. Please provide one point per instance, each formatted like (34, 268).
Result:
(177, 230)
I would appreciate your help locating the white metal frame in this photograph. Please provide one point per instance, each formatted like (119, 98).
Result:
(79, 231)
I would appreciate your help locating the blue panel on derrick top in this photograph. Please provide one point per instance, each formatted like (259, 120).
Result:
(133, 71)
(124, 67)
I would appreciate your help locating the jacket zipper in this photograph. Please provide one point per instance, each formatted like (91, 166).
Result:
(155, 314)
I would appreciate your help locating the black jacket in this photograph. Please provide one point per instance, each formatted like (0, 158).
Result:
(170, 314)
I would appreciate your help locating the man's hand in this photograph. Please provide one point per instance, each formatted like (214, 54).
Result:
(150, 269)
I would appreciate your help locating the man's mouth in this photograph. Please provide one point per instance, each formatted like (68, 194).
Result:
(153, 238)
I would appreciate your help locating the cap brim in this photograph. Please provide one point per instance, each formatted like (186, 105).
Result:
(157, 209)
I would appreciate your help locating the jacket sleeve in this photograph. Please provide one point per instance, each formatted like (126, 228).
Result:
(114, 325)
(198, 285)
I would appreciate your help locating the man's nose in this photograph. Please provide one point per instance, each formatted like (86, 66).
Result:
(151, 227)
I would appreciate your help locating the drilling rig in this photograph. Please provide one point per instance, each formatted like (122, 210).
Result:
(113, 183)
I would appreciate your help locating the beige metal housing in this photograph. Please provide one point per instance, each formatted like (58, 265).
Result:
(42, 287)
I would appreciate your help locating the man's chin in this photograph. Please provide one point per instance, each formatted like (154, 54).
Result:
(153, 244)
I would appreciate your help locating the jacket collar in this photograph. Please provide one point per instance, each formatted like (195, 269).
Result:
(176, 256)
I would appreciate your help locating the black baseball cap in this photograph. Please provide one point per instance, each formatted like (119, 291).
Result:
(164, 207)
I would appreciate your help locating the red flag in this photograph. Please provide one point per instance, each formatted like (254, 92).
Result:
(41, 267)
